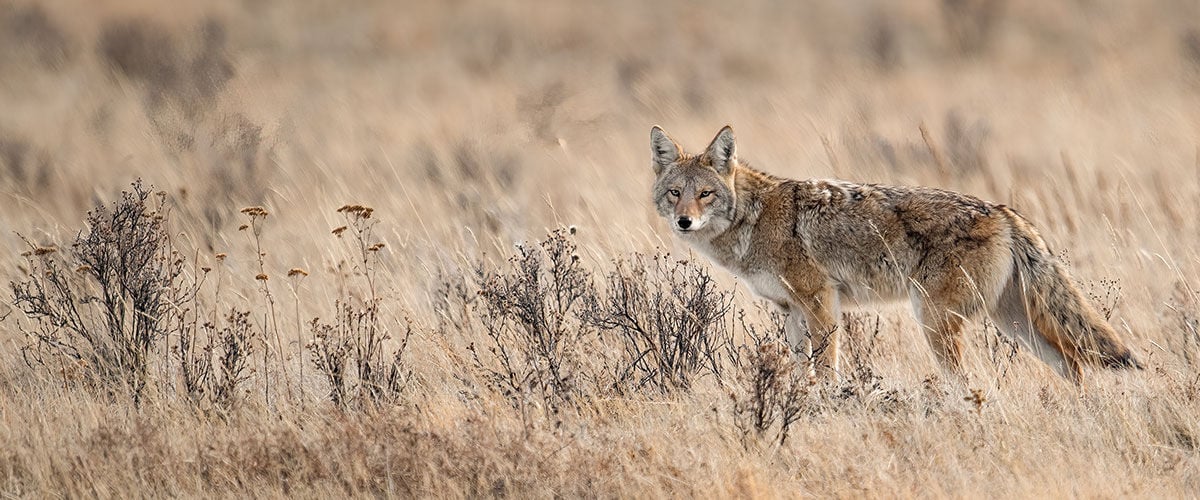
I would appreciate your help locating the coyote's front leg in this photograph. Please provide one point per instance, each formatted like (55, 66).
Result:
(817, 337)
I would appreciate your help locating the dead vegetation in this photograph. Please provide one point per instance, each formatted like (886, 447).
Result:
(497, 311)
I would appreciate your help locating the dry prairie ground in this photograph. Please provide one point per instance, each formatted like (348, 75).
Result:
(480, 351)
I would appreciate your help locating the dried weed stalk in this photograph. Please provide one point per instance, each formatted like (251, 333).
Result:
(351, 352)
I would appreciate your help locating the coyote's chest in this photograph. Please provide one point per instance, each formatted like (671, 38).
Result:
(733, 253)
(770, 286)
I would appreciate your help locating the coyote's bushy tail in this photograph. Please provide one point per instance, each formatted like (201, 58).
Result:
(1041, 301)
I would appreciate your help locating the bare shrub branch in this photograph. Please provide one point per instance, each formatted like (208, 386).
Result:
(669, 318)
(529, 315)
(111, 298)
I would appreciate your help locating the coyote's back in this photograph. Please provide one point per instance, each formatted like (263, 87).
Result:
(810, 246)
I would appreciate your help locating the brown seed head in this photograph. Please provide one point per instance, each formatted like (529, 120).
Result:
(261, 277)
(255, 211)
(295, 271)
(977, 398)
(358, 211)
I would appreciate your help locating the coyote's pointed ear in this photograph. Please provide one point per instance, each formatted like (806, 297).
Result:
(663, 150)
(722, 151)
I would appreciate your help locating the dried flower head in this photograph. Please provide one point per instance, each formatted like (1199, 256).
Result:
(83, 269)
(255, 211)
(339, 230)
(243, 227)
(261, 277)
(221, 256)
(40, 251)
(977, 398)
(375, 247)
(359, 211)
(296, 271)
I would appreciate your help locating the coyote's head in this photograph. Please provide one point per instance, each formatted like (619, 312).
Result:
(694, 192)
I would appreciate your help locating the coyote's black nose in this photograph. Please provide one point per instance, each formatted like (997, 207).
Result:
(684, 222)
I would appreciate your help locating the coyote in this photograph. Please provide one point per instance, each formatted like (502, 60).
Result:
(811, 246)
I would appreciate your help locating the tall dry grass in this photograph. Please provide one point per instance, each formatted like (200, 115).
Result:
(443, 362)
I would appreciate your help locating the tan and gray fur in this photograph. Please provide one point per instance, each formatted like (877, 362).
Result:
(813, 246)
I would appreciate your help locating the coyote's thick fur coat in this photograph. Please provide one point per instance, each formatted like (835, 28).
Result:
(811, 246)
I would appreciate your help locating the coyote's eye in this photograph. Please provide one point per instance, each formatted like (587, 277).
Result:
(673, 192)
(705, 194)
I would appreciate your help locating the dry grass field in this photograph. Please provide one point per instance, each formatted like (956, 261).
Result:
(407, 248)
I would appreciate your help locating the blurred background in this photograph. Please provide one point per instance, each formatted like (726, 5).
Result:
(470, 125)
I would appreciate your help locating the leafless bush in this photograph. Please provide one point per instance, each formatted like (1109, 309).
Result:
(771, 391)
(212, 374)
(529, 313)
(357, 338)
(331, 348)
(1106, 295)
(107, 302)
(381, 372)
(861, 341)
(355, 341)
(670, 319)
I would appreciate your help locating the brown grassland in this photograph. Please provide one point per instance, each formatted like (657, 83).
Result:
(458, 192)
